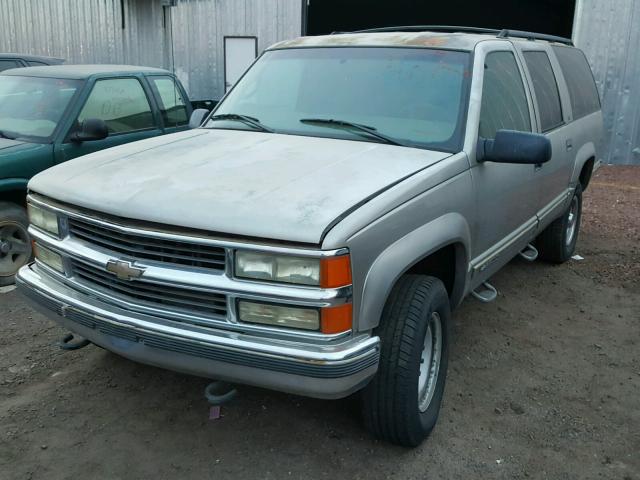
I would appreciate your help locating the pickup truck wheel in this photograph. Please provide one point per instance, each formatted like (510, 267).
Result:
(15, 245)
(402, 402)
(558, 241)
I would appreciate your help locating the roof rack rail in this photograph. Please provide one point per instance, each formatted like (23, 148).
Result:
(432, 28)
(504, 33)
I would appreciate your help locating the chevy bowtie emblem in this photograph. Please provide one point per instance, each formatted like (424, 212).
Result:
(124, 270)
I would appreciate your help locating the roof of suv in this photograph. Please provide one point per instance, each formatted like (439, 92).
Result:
(81, 71)
(440, 37)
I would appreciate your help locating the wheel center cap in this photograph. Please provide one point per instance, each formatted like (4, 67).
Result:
(5, 247)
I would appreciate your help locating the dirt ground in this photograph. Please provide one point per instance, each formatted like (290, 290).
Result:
(543, 383)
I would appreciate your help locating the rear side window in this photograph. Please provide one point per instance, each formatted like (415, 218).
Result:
(582, 88)
(33, 63)
(504, 101)
(7, 64)
(121, 103)
(546, 89)
(174, 111)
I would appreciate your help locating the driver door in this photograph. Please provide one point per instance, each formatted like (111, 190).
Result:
(506, 197)
(124, 105)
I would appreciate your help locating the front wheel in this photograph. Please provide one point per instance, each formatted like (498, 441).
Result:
(557, 242)
(402, 402)
(15, 245)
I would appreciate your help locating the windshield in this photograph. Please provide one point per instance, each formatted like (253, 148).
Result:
(33, 106)
(412, 96)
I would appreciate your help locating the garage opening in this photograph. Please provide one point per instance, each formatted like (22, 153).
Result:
(553, 17)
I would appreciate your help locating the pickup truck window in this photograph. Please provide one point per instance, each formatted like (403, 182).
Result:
(121, 103)
(504, 101)
(546, 89)
(172, 105)
(415, 96)
(33, 106)
(583, 92)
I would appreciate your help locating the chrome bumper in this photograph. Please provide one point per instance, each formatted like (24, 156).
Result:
(315, 370)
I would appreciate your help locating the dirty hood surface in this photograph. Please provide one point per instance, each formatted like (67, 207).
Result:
(235, 182)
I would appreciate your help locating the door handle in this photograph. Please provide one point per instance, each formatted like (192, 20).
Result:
(569, 144)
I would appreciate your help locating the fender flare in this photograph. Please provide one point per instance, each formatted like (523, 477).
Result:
(586, 152)
(400, 256)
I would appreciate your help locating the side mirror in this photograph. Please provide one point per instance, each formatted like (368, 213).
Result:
(511, 146)
(197, 116)
(90, 129)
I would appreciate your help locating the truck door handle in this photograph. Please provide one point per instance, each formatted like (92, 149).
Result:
(569, 144)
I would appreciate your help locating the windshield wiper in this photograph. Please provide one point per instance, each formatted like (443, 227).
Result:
(5, 134)
(252, 121)
(358, 127)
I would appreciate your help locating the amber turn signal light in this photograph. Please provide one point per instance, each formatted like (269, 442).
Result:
(335, 271)
(336, 319)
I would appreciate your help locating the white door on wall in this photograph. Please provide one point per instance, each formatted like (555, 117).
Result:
(239, 53)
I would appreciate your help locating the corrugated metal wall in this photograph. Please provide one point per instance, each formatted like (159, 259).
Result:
(199, 28)
(91, 31)
(84, 31)
(609, 33)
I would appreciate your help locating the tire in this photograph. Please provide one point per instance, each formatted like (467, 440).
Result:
(557, 242)
(391, 405)
(15, 244)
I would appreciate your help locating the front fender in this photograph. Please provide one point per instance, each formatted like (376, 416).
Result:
(13, 185)
(395, 260)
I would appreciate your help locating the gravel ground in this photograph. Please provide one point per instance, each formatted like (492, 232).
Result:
(543, 383)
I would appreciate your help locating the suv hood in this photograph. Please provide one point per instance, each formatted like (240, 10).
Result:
(252, 184)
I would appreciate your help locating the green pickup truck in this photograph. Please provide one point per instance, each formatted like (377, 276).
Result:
(52, 114)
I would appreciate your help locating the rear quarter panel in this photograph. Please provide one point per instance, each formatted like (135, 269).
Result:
(586, 133)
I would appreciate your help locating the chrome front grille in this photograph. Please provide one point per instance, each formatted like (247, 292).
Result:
(170, 298)
(142, 247)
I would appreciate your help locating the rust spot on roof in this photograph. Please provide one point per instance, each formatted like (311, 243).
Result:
(388, 39)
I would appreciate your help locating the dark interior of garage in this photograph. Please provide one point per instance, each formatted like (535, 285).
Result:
(553, 17)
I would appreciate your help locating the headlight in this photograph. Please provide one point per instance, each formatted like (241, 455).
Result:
(278, 315)
(328, 272)
(278, 268)
(43, 219)
(328, 320)
(48, 257)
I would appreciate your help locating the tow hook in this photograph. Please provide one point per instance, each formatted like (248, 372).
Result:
(67, 344)
(218, 393)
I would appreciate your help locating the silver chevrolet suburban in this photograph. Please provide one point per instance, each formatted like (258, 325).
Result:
(313, 233)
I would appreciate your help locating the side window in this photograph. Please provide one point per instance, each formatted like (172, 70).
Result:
(121, 103)
(7, 64)
(546, 88)
(34, 63)
(582, 87)
(504, 101)
(172, 105)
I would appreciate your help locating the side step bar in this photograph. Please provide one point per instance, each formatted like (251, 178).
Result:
(485, 293)
(530, 253)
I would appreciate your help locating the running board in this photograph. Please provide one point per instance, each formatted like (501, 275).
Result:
(487, 294)
(529, 253)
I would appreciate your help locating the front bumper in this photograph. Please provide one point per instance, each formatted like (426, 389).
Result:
(322, 371)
